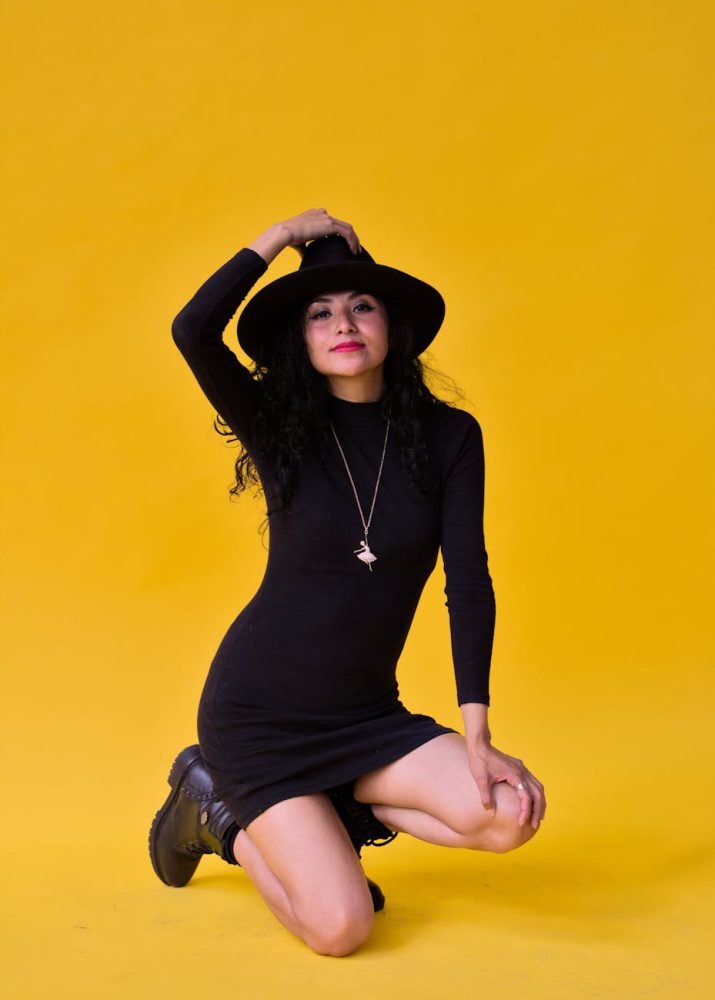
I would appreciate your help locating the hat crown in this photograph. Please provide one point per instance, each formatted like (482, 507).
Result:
(331, 249)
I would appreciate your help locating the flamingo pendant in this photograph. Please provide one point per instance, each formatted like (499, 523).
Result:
(364, 554)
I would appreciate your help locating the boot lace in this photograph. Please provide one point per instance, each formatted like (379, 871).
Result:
(361, 823)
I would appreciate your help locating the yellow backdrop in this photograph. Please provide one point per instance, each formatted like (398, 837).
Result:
(548, 166)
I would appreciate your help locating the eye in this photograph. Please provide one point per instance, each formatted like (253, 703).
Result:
(325, 312)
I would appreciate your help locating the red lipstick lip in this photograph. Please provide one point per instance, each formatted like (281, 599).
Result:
(348, 345)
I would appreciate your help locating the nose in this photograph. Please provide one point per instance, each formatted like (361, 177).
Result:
(345, 320)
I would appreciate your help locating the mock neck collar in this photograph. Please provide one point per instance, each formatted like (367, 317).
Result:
(348, 412)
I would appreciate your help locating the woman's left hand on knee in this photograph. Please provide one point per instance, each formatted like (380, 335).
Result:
(489, 765)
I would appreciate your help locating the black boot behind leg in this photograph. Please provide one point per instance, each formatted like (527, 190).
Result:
(363, 828)
(192, 822)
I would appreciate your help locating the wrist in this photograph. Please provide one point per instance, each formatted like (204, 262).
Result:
(476, 724)
(270, 243)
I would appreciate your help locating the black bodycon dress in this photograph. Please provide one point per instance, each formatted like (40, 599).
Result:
(302, 693)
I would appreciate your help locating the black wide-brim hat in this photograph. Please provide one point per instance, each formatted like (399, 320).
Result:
(329, 265)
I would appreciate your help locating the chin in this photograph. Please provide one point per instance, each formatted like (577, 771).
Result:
(346, 366)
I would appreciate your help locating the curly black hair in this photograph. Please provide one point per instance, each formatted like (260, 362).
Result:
(293, 410)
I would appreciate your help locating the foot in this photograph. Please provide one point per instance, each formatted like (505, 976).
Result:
(192, 822)
(358, 818)
(363, 828)
(378, 899)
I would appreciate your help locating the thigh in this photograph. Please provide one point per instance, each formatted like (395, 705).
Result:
(435, 778)
(304, 842)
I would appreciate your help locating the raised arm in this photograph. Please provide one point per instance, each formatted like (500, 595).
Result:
(198, 329)
(198, 333)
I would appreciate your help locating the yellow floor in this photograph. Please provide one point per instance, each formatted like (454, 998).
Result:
(572, 914)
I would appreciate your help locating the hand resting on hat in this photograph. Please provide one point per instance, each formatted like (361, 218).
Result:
(299, 230)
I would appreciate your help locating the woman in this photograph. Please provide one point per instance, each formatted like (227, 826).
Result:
(306, 752)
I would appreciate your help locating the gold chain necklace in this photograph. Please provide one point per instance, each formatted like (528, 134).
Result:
(364, 553)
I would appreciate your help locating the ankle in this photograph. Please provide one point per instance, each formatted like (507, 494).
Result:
(229, 843)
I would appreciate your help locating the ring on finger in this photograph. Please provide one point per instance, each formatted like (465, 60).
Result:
(521, 786)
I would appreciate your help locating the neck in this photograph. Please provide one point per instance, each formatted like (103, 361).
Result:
(356, 390)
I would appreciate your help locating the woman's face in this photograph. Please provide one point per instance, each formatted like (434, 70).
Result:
(336, 320)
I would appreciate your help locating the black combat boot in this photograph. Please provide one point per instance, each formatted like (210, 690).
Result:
(192, 822)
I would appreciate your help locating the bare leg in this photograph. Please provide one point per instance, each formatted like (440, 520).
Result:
(431, 793)
(419, 824)
(485, 837)
(267, 883)
(319, 893)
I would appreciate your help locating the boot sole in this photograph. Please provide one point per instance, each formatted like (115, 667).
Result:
(181, 765)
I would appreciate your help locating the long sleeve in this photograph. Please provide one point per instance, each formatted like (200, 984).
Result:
(468, 584)
(198, 333)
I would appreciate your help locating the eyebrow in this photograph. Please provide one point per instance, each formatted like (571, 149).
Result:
(352, 295)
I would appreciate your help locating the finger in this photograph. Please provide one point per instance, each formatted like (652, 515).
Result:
(539, 799)
(350, 236)
(524, 797)
(531, 793)
(527, 806)
(537, 813)
(348, 232)
(485, 792)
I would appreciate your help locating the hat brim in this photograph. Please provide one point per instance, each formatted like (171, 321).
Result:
(264, 316)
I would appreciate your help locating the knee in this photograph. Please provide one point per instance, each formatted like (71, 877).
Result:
(503, 832)
(510, 836)
(342, 934)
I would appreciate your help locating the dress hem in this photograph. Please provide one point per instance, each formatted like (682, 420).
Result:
(310, 787)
